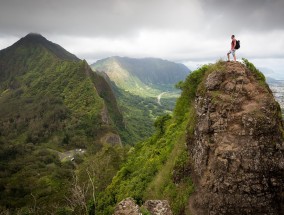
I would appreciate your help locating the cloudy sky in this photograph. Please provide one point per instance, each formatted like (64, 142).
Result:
(187, 31)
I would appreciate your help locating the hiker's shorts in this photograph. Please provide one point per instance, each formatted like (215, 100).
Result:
(232, 52)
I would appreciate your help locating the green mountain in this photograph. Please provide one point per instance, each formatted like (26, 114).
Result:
(145, 89)
(217, 152)
(144, 77)
(52, 105)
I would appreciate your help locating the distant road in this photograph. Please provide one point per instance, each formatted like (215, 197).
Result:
(159, 97)
(69, 155)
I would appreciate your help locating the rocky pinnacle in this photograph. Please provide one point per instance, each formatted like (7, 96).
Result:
(237, 148)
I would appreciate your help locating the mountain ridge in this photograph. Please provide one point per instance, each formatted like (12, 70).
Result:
(138, 75)
(153, 64)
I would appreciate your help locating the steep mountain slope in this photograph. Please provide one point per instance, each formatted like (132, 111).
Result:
(50, 102)
(221, 152)
(143, 77)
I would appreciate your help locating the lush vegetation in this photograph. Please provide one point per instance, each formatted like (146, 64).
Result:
(159, 167)
(139, 114)
(257, 74)
(50, 103)
(52, 100)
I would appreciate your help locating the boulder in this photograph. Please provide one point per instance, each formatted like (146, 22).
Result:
(158, 207)
(127, 207)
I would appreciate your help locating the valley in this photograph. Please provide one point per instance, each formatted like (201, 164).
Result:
(64, 126)
(139, 85)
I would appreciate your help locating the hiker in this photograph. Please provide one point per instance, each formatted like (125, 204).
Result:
(233, 49)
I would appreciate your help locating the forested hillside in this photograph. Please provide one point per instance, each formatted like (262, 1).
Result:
(54, 114)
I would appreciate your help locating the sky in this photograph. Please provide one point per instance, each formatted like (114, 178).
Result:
(192, 32)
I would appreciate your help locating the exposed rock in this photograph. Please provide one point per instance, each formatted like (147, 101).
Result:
(214, 80)
(237, 148)
(127, 207)
(158, 207)
(155, 207)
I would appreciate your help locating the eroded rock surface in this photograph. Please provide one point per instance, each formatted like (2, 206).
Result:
(154, 207)
(127, 207)
(237, 148)
(158, 207)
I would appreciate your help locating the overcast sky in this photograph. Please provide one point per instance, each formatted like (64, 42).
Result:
(187, 31)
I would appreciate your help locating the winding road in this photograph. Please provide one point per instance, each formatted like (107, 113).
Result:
(159, 97)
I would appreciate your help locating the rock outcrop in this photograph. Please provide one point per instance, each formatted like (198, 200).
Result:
(237, 147)
(154, 207)
(158, 207)
(127, 207)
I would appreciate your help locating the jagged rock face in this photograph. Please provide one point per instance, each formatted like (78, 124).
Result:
(127, 207)
(237, 148)
(158, 207)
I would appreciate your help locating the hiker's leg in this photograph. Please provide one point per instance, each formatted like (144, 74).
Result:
(234, 55)
(228, 54)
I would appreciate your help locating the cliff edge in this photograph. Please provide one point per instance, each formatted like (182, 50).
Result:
(237, 145)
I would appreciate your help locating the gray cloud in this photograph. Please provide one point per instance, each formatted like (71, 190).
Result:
(95, 18)
(179, 30)
(114, 18)
(246, 15)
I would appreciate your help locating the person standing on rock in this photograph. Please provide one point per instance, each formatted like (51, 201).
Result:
(233, 50)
